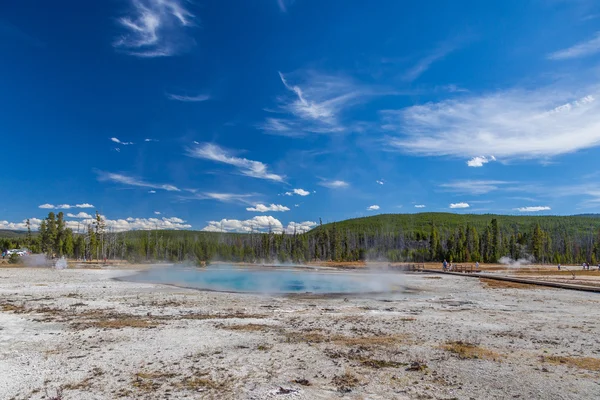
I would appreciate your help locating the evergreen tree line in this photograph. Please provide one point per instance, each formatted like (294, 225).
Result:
(462, 242)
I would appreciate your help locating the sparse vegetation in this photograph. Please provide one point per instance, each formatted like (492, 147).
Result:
(345, 382)
(246, 327)
(587, 363)
(497, 284)
(465, 350)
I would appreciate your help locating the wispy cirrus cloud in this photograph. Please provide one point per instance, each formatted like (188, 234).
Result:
(526, 124)
(284, 4)
(459, 205)
(133, 181)
(479, 161)
(533, 209)
(316, 104)
(116, 140)
(155, 28)
(424, 63)
(334, 184)
(475, 187)
(10, 31)
(241, 198)
(263, 208)
(583, 49)
(188, 98)
(380, 182)
(213, 152)
(419, 205)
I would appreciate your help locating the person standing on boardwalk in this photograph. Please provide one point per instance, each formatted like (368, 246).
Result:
(444, 265)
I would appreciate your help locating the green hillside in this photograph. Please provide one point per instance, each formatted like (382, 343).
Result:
(422, 223)
(393, 237)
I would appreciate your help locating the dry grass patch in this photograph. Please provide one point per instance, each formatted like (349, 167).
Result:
(316, 336)
(587, 363)
(197, 383)
(496, 284)
(150, 381)
(86, 383)
(120, 323)
(204, 316)
(564, 272)
(368, 341)
(465, 350)
(101, 320)
(10, 307)
(378, 364)
(247, 327)
(346, 382)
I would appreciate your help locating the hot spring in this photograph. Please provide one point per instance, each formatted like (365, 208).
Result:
(228, 278)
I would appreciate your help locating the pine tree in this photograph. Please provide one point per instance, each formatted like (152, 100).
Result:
(435, 245)
(51, 233)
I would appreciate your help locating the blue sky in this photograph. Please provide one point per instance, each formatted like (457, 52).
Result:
(240, 115)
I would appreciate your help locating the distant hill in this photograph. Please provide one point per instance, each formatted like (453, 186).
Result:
(7, 233)
(445, 222)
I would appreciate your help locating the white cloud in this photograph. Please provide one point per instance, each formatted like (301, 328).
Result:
(254, 169)
(129, 224)
(316, 104)
(381, 181)
(480, 160)
(299, 192)
(65, 206)
(117, 225)
(151, 191)
(131, 181)
(533, 209)
(459, 205)
(79, 215)
(185, 98)
(475, 187)
(264, 208)
(373, 207)
(335, 184)
(154, 28)
(114, 139)
(157, 212)
(583, 49)
(419, 205)
(150, 140)
(261, 223)
(513, 124)
(296, 205)
(21, 226)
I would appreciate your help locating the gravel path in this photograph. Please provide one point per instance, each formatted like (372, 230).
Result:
(449, 338)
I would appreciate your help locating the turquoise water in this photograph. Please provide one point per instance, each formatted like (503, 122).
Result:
(272, 280)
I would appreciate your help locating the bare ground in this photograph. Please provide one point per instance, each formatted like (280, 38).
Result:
(81, 333)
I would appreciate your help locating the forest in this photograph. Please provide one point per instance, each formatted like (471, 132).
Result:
(391, 237)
